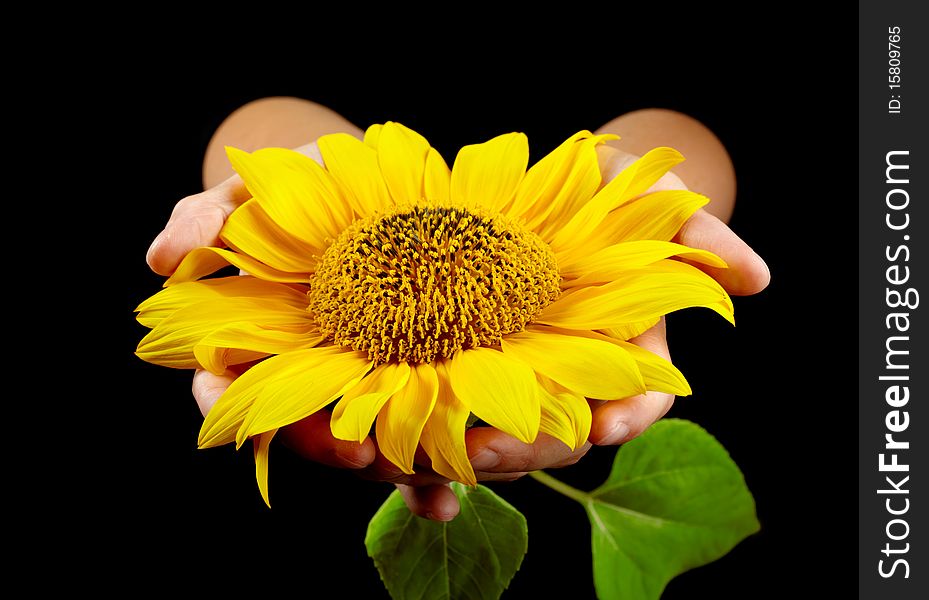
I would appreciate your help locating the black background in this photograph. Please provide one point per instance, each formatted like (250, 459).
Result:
(766, 389)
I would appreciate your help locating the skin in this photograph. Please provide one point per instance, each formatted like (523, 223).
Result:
(495, 456)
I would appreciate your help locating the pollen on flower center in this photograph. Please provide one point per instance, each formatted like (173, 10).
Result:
(425, 281)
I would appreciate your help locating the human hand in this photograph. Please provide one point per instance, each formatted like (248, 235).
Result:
(622, 420)
(197, 220)
(494, 453)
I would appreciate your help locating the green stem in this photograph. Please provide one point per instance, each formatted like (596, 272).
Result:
(560, 487)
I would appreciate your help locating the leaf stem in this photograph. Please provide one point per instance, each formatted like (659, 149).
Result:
(560, 487)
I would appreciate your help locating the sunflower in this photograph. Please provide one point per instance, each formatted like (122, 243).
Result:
(413, 295)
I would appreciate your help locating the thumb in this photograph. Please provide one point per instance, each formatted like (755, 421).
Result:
(207, 388)
(433, 502)
(747, 273)
(196, 221)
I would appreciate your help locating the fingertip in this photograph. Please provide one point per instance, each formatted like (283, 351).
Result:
(208, 387)
(493, 451)
(619, 421)
(487, 446)
(444, 503)
(433, 502)
(757, 275)
(312, 439)
(196, 221)
(607, 431)
(747, 273)
(354, 455)
(159, 258)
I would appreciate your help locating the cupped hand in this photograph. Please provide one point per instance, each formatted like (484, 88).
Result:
(495, 454)
(197, 220)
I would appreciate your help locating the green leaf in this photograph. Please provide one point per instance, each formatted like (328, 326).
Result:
(473, 557)
(674, 501)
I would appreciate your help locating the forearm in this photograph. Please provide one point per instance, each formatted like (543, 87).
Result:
(269, 122)
(707, 169)
(292, 122)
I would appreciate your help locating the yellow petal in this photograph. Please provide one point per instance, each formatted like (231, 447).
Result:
(239, 343)
(227, 415)
(539, 186)
(172, 342)
(171, 299)
(565, 415)
(607, 264)
(289, 395)
(443, 437)
(437, 178)
(310, 175)
(638, 177)
(401, 154)
(638, 295)
(200, 262)
(630, 330)
(262, 443)
(249, 230)
(591, 368)
(498, 389)
(657, 216)
(567, 177)
(354, 414)
(580, 184)
(354, 166)
(297, 193)
(630, 183)
(402, 419)
(372, 134)
(658, 373)
(487, 174)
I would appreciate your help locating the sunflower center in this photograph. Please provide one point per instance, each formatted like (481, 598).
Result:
(426, 281)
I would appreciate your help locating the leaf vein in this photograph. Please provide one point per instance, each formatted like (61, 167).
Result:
(592, 509)
(606, 487)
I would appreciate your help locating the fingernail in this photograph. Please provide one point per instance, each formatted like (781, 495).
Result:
(485, 459)
(442, 518)
(615, 436)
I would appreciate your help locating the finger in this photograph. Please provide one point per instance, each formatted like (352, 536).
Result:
(382, 469)
(619, 421)
(493, 451)
(312, 439)
(195, 221)
(435, 502)
(501, 477)
(207, 388)
(422, 458)
(747, 273)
